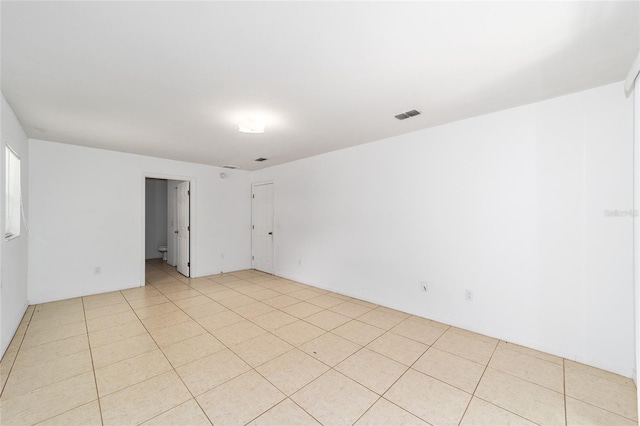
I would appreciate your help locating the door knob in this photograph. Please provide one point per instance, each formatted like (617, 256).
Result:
(270, 233)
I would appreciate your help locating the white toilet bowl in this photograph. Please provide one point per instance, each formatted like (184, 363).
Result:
(163, 250)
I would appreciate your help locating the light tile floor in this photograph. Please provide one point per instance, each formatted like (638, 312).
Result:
(250, 348)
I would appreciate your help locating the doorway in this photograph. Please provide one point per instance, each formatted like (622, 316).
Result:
(167, 225)
(262, 227)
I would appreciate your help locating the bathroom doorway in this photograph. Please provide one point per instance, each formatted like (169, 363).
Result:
(167, 225)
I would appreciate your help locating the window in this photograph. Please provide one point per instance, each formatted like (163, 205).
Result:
(12, 201)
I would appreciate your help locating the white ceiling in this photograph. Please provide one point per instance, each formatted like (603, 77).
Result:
(172, 79)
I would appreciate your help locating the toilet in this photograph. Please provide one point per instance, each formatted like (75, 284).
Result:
(163, 250)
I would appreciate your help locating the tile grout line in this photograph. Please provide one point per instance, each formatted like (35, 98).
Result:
(173, 368)
(480, 380)
(187, 282)
(13, 361)
(93, 367)
(564, 390)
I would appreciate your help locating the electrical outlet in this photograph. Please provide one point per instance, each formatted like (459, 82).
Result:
(97, 270)
(468, 295)
(424, 286)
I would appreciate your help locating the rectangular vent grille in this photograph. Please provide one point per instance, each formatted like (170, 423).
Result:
(407, 114)
(229, 167)
(260, 159)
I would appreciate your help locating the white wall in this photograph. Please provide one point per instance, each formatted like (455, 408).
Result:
(87, 211)
(156, 217)
(510, 205)
(13, 264)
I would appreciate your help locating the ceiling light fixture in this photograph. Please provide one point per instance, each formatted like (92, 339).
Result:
(252, 125)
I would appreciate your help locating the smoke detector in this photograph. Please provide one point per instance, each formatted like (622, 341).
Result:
(407, 114)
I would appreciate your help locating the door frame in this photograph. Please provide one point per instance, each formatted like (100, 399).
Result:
(275, 234)
(192, 219)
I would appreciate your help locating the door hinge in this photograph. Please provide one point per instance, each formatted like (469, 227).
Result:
(254, 195)
(189, 264)
(253, 227)
(188, 192)
(252, 258)
(188, 228)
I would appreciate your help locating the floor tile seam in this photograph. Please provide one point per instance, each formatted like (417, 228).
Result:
(368, 409)
(197, 395)
(405, 409)
(506, 342)
(533, 356)
(123, 300)
(155, 315)
(614, 382)
(52, 341)
(377, 353)
(133, 384)
(297, 390)
(128, 357)
(412, 367)
(486, 367)
(274, 405)
(458, 355)
(564, 392)
(524, 380)
(438, 380)
(22, 337)
(303, 409)
(71, 409)
(175, 370)
(118, 339)
(48, 385)
(153, 376)
(362, 384)
(93, 367)
(598, 407)
(529, 381)
(505, 409)
(477, 384)
(57, 380)
(297, 347)
(307, 384)
(416, 340)
(37, 322)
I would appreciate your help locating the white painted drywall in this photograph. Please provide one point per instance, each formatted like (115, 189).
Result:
(510, 205)
(156, 205)
(87, 211)
(636, 205)
(13, 253)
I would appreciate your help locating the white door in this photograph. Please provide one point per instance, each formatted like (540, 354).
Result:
(262, 227)
(182, 219)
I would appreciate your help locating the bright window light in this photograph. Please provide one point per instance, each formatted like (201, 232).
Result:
(12, 194)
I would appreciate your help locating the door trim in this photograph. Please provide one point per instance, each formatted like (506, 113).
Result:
(275, 234)
(192, 219)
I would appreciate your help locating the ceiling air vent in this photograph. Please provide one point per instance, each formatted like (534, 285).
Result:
(260, 159)
(407, 114)
(229, 166)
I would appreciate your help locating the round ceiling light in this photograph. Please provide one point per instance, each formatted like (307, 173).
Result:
(252, 125)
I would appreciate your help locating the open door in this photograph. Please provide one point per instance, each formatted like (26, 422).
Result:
(262, 227)
(183, 229)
